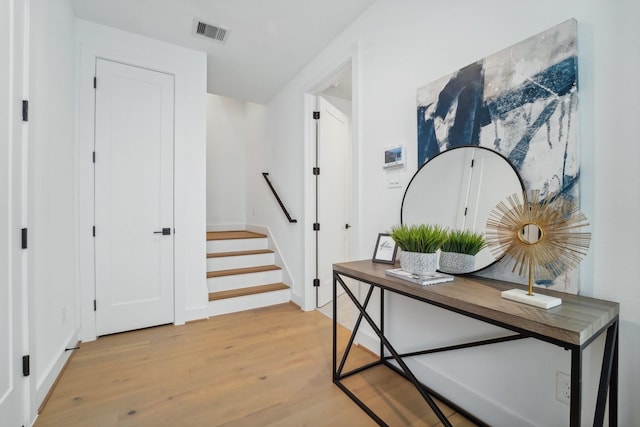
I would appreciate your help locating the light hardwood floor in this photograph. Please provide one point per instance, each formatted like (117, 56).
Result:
(265, 367)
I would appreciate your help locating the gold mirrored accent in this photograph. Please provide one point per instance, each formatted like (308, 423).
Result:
(542, 238)
(531, 234)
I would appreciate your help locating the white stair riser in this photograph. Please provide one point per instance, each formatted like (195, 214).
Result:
(234, 245)
(240, 261)
(248, 302)
(225, 283)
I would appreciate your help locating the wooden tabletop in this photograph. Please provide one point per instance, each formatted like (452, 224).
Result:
(576, 321)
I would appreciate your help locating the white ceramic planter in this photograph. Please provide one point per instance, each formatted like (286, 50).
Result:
(418, 263)
(453, 262)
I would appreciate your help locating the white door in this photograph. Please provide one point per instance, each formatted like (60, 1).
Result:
(133, 197)
(483, 182)
(334, 194)
(11, 323)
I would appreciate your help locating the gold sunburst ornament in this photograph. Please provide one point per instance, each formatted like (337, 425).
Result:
(541, 237)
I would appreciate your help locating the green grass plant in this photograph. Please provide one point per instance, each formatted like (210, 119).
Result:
(423, 238)
(464, 242)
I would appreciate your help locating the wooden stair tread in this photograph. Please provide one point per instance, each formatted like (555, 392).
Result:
(246, 270)
(252, 290)
(232, 235)
(239, 253)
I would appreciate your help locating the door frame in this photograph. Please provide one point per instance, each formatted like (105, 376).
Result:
(189, 71)
(17, 132)
(313, 90)
(325, 163)
(86, 189)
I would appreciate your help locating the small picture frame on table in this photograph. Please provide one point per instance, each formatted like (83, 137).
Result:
(386, 249)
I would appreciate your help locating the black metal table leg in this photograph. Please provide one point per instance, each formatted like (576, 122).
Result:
(335, 327)
(613, 385)
(385, 344)
(575, 403)
(608, 380)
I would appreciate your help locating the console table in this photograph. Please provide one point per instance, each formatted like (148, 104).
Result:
(573, 325)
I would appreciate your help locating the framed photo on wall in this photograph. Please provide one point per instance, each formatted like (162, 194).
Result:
(386, 249)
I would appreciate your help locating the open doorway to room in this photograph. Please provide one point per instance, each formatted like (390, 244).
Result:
(333, 201)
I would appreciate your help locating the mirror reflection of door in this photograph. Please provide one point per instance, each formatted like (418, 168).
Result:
(334, 194)
(133, 197)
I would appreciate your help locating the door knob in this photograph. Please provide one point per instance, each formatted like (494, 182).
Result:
(347, 226)
(164, 232)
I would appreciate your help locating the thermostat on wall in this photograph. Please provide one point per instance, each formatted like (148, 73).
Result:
(393, 156)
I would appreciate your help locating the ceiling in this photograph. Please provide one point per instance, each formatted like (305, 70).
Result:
(268, 42)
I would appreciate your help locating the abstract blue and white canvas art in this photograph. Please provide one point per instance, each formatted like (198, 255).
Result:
(521, 102)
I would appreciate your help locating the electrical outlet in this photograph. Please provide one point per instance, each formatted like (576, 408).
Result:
(563, 387)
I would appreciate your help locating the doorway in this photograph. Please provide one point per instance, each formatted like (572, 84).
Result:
(333, 195)
(333, 188)
(133, 167)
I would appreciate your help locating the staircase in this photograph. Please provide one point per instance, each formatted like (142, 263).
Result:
(241, 272)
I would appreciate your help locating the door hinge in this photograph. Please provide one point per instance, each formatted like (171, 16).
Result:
(465, 211)
(93, 157)
(26, 366)
(95, 82)
(95, 305)
(472, 162)
(316, 226)
(94, 231)
(316, 283)
(25, 110)
(316, 115)
(316, 171)
(24, 238)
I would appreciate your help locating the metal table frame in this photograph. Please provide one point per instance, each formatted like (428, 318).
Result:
(607, 387)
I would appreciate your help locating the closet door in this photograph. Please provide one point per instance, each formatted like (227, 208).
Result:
(133, 197)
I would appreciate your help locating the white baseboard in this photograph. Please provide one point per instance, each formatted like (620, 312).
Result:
(299, 301)
(370, 342)
(199, 313)
(225, 227)
(46, 380)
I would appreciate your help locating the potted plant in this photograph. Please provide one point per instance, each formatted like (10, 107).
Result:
(419, 244)
(458, 252)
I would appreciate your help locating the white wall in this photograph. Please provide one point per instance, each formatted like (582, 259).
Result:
(256, 149)
(511, 383)
(228, 125)
(611, 173)
(51, 192)
(189, 70)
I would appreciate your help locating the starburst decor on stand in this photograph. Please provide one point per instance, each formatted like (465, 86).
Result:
(541, 237)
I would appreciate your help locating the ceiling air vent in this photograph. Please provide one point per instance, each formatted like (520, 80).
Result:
(216, 33)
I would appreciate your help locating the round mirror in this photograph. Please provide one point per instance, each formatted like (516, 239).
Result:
(458, 189)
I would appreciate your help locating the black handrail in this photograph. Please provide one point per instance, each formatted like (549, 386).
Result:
(273, 190)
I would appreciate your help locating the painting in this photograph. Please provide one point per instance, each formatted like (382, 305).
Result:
(521, 102)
